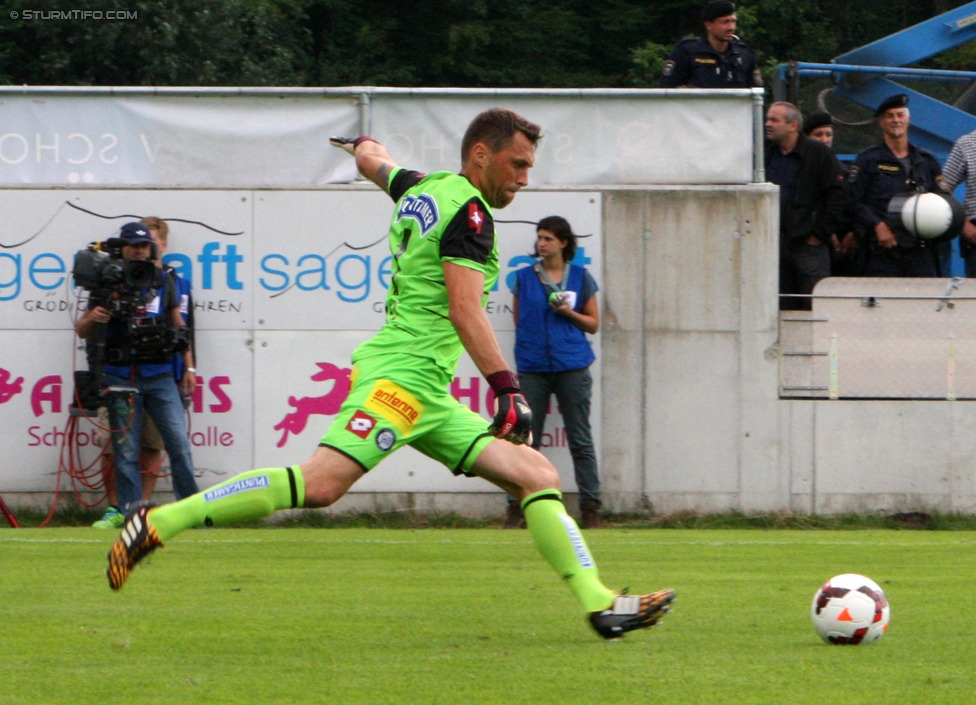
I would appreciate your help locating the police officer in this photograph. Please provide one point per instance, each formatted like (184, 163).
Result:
(887, 169)
(820, 127)
(845, 249)
(716, 59)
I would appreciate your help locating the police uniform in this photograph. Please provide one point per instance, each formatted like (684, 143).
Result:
(849, 264)
(875, 178)
(695, 63)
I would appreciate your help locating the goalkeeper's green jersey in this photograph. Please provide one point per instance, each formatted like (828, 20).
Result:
(439, 217)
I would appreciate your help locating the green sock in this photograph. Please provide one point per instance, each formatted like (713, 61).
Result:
(251, 495)
(559, 541)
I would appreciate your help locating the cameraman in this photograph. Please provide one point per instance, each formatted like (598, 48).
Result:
(151, 455)
(138, 357)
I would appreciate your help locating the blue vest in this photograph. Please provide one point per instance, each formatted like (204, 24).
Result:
(544, 340)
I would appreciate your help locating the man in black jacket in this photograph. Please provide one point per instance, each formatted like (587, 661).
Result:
(717, 58)
(812, 200)
(891, 168)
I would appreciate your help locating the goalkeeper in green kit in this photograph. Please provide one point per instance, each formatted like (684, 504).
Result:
(445, 261)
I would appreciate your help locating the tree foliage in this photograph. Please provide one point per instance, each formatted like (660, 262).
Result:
(463, 43)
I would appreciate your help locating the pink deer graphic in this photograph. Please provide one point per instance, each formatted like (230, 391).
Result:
(327, 404)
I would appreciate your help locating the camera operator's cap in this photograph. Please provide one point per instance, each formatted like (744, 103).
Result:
(716, 9)
(817, 120)
(135, 234)
(895, 101)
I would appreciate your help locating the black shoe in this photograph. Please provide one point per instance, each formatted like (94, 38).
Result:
(630, 612)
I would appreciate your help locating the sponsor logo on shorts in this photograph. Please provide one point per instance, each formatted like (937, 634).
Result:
(395, 404)
(385, 439)
(361, 424)
(582, 554)
(248, 483)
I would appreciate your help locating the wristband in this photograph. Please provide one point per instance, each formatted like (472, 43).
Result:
(191, 369)
(503, 381)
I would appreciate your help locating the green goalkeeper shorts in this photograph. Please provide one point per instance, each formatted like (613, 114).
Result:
(391, 405)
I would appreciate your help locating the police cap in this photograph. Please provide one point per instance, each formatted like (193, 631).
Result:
(716, 9)
(894, 101)
(817, 120)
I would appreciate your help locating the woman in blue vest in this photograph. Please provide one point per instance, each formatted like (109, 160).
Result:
(555, 307)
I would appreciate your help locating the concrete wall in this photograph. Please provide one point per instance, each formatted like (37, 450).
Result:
(692, 417)
(690, 307)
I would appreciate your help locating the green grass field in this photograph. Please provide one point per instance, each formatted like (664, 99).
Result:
(469, 616)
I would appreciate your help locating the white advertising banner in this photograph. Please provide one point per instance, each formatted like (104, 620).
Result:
(279, 138)
(661, 138)
(170, 140)
(286, 284)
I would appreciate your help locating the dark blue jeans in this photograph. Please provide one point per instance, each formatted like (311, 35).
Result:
(161, 399)
(573, 391)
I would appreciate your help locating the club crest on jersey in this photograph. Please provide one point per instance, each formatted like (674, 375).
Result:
(422, 208)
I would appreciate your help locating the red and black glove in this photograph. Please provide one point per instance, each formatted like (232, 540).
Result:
(513, 417)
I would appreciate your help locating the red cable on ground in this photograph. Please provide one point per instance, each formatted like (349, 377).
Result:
(10, 517)
(82, 477)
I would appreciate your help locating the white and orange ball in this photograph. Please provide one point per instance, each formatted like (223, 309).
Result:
(850, 609)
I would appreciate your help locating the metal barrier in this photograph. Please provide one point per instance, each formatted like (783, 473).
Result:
(879, 338)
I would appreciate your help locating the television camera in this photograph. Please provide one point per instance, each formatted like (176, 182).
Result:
(124, 287)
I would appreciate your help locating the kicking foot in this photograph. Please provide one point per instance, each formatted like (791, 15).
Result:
(137, 541)
(630, 612)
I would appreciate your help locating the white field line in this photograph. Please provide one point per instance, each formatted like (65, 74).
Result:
(331, 538)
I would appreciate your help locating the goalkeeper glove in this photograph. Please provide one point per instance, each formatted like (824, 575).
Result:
(349, 143)
(513, 416)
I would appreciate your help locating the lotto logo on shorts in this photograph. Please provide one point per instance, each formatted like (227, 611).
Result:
(361, 424)
(395, 404)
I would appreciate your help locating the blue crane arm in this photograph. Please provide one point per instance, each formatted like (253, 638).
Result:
(935, 125)
(945, 31)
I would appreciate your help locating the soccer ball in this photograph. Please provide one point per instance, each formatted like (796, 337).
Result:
(850, 609)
